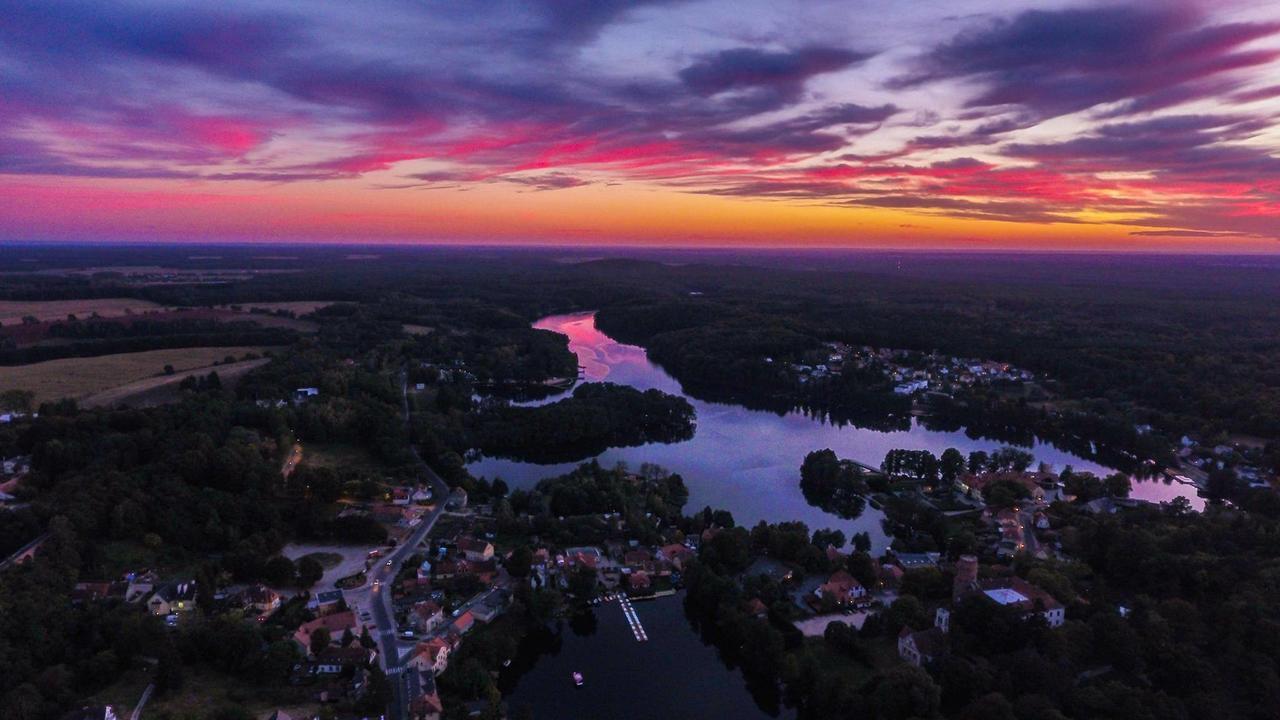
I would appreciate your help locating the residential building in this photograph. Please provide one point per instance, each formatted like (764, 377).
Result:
(1022, 595)
(475, 550)
(426, 616)
(430, 656)
(174, 597)
(922, 647)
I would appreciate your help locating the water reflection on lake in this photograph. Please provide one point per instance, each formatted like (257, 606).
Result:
(748, 461)
(671, 675)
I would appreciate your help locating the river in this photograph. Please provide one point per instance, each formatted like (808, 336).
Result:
(672, 674)
(748, 461)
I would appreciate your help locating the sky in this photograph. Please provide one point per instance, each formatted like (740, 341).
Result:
(979, 124)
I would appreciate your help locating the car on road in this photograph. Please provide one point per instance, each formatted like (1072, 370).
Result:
(388, 563)
(377, 585)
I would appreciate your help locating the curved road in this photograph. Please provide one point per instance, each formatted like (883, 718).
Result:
(402, 689)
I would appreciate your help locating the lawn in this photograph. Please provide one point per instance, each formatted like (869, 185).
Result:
(81, 377)
(204, 690)
(119, 557)
(341, 455)
(12, 311)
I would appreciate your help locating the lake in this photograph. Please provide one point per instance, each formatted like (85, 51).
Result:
(672, 674)
(748, 461)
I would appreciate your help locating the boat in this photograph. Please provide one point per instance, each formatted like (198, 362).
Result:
(506, 663)
(577, 678)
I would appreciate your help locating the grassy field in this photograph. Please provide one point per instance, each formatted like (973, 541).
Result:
(83, 377)
(205, 690)
(161, 389)
(12, 311)
(299, 307)
(337, 455)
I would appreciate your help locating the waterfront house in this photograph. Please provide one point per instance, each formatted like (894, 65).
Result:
(676, 554)
(841, 589)
(638, 581)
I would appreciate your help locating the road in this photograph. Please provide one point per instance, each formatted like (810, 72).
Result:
(291, 463)
(403, 689)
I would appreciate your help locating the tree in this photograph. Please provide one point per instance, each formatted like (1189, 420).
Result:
(366, 640)
(823, 538)
(950, 465)
(309, 572)
(583, 583)
(279, 570)
(862, 541)
(518, 565)
(905, 691)
(319, 640)
(168, 370)
(1118, 485)
(377, 694)
(347, 638)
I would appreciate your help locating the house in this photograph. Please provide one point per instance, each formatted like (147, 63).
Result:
(756, 608)
(463, 623)
(676, 554)
(336, 623)
(261, 600)
(421, 495)
(400, 495)
(493, 604)
(922, 647)
(541, 557)
(426, 616)
(92, 712)
(910, 561)
(638, 559)
(842, 589)
(638, 580)
(457, 499)
(355, 656)
(326, 601)
(174, 597)
(834, 555)
(95, 591)
(475, 550)
(430, 656)
(1022, 595)
(279, 715)
(303, 393)
(426, 704)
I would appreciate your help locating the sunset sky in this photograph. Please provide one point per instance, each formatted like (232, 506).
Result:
(922, 123)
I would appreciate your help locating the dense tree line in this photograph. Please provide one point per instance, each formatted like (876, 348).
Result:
(596, 417)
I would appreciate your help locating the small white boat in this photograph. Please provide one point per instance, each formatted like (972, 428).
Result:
(577, 678)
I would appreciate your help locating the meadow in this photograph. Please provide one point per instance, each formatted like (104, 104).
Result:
(81, 378)
(13, 311)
